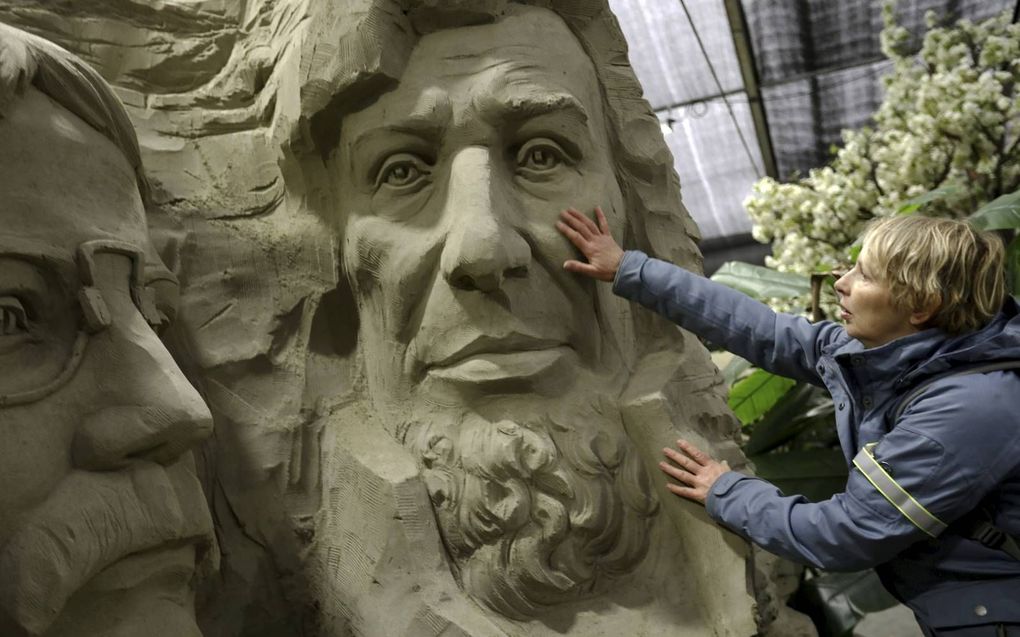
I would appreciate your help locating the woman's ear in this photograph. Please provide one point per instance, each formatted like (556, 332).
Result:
(920, 318)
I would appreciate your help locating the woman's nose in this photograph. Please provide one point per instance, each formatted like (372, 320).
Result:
(151, 412)
(841, 285)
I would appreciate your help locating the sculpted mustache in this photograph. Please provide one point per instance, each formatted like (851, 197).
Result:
(90, 521)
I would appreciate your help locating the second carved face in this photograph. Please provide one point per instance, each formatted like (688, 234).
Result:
(102, 519)
(451, 187)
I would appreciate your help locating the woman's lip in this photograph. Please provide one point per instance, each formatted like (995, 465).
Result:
(843, 314)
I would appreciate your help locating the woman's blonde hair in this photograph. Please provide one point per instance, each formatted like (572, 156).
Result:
(939, 263)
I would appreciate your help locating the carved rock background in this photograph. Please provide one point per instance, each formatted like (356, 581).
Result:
(228, 98)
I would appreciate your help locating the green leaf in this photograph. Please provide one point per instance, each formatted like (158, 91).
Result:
(787, 418)
(854, 252)
(1013, 266)
(817, 474)
(761, 283)
(751, 397)
(1001, 213)
(913, 205)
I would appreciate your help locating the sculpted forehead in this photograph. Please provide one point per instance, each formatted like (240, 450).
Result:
(530, 54)
(61, 181)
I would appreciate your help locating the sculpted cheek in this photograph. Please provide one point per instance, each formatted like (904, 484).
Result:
(391, 271)
(363, 258)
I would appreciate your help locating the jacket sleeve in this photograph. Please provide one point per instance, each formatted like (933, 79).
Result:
(781, 343)
(948, 450)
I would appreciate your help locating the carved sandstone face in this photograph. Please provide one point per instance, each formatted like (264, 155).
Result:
(489, 357)
(101, 516)
(451, 185)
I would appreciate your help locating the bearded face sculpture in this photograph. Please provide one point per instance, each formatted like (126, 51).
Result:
(490, 361)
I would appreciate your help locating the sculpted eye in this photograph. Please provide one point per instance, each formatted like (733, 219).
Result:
(402, 171)
(13, 318)
(540, 156)
(402, 174)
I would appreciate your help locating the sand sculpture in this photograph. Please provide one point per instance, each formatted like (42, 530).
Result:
(103, 523)
(423, 426)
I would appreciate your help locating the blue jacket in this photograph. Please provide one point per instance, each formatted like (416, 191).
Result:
(956, 445)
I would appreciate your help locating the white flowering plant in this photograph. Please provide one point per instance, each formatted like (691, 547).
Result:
(944, 141)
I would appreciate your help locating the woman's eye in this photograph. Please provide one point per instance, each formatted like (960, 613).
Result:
(401, 171)
(540, 156)
(13, 318)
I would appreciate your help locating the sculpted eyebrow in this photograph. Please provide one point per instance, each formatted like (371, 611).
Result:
(425, 128)
(517, 109)
(39, 276)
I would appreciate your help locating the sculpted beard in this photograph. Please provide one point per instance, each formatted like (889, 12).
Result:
(536, 513)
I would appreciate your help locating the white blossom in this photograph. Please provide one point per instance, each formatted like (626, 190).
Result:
(950, 118)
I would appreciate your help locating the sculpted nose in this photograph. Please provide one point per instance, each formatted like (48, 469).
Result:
(482, 249)
(153, 412)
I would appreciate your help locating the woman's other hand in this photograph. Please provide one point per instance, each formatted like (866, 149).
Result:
(595, 242)
(691, 467)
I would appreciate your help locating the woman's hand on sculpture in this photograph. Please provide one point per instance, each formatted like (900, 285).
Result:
(595, 242)
(692, 467)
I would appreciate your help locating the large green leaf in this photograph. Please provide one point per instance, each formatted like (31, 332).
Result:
(751, 397)
(816, 474)
(913, 205)
(801, 407)
(761, 283)
(1002, 213)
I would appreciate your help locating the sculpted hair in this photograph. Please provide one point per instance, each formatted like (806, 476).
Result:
(28, 60)
(941, 263)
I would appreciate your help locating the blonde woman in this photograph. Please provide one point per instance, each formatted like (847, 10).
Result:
(927, 411)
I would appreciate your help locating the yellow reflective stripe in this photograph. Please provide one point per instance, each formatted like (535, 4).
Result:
(895, 494)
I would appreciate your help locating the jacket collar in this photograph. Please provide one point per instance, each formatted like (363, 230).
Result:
(909, 359)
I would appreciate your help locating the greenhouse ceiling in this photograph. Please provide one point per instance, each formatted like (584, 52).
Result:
(749, 88)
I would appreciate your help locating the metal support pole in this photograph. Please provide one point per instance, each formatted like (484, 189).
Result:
(749, 73)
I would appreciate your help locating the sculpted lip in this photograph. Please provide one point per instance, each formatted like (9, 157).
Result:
(511, 344)
(177, 561)
(488, 359)
(163, 519)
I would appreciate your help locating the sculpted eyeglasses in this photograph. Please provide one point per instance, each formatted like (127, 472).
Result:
(50, 306)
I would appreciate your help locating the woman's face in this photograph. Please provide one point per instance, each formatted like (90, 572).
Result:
(867, 309)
